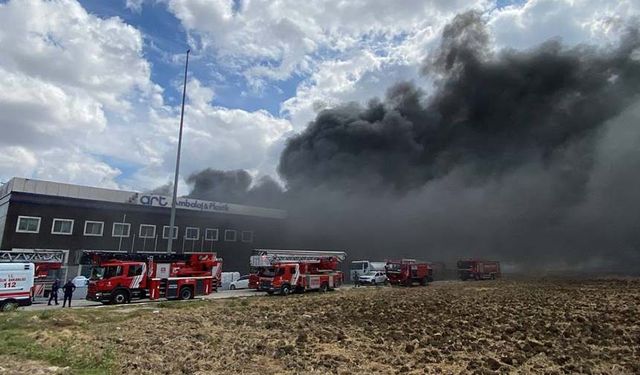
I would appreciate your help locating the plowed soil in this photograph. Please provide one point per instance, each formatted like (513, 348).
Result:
(551, 327)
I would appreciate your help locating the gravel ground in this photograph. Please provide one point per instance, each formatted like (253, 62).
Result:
(551, 327)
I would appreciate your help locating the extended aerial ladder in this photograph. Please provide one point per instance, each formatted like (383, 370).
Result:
(269, 257)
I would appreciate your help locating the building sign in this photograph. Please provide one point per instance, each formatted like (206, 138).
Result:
(155, 200)
(182, 202)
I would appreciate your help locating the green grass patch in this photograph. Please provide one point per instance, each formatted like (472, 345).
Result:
(15, 343)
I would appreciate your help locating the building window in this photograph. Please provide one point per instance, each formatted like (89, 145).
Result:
(93, 228)
(62, 226)
(28, 224)
(211, 234)
(192, 233)
(147, 231)
(247, 236)
(165, 232)
(230, 235)
(121, 229)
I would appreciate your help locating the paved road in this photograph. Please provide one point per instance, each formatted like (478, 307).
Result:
(79, 302)
(82, 303)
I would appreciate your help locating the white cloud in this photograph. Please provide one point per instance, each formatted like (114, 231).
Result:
(273, 39)
(63, 73)
(573, 21)
(134, 5)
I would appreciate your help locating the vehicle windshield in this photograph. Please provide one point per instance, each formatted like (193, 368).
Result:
(371, 273)
(356, 266)
(464, 265)
(280, 271)
(266, 272)
(99, 273)
(393, 266)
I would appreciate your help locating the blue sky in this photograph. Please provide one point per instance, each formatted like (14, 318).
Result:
(95, 86)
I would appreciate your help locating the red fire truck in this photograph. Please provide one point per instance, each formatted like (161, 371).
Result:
(287, 271)
(119, 278)
(478, 269)
(408, 271)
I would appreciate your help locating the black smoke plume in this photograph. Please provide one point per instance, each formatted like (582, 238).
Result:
(235, 186)
(490, 113)
(529, 157)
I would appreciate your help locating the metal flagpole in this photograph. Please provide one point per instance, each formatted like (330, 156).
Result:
(172, 221)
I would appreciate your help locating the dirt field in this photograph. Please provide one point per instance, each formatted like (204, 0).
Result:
(547, 327)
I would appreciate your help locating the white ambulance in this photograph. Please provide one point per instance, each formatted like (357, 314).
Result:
(16, 285)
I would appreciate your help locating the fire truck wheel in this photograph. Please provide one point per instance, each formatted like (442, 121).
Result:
(8, 306)
(324, 288)
(119, 298)
(186, 293)
(285, 290)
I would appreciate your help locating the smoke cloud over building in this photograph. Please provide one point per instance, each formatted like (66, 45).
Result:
(529, 157)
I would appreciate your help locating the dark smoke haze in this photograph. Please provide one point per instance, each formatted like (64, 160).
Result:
(527, 157)
(235, 186)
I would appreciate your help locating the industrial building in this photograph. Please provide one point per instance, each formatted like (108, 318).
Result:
(38, 214)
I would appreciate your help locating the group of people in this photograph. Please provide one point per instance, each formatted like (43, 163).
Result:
(68, 290)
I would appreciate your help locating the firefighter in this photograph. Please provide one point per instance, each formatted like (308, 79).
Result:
(68, 289)
(54, 292)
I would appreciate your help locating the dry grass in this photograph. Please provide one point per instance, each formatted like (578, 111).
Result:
(451, 328)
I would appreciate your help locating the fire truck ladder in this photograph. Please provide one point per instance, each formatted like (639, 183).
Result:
(89, 256)
(267, 257)
(340, 255)
(33, 256)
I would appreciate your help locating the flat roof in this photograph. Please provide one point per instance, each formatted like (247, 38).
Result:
(57, 189)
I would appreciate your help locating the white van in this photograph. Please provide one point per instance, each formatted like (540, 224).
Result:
(358, 268)
(16, 284)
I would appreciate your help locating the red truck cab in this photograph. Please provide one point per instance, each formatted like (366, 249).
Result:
(118, 281)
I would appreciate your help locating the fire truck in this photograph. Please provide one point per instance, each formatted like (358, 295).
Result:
(406, 272)
(119, 278)
(287, 271)
(23, 274)
(478, 269)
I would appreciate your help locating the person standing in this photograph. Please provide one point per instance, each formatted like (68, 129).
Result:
(68, 289)
(54, 292)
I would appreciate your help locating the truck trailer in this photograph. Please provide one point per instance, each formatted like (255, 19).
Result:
(119, 278)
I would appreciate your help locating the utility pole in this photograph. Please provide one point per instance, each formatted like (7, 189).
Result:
(172, 221)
